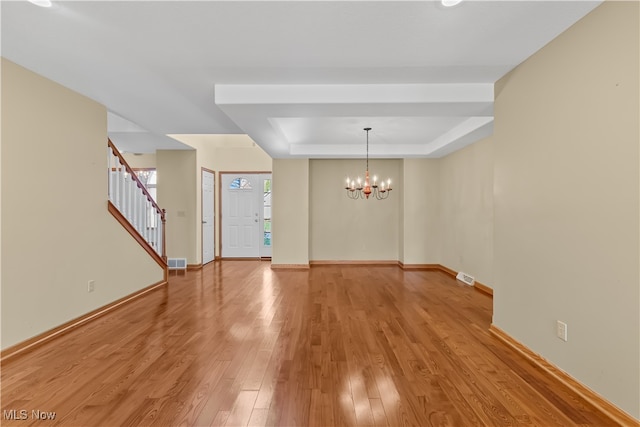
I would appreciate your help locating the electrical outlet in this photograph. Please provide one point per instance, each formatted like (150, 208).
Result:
(91, 286)
(561, 330)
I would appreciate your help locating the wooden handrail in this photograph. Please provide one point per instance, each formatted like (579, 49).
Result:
(129, 170)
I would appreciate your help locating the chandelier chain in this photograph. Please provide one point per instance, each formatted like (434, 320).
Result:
(367, 129)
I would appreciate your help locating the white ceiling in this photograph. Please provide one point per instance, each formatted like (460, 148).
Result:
(301, 78)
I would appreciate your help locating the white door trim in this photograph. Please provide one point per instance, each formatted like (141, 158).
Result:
(207, 228)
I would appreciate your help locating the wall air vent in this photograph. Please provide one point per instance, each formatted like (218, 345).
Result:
(177, 263)
(465, 278)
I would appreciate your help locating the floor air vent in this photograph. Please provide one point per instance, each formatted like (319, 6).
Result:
(177, 263)
(463, 277)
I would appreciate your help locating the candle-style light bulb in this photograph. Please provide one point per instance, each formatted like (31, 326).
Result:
(389, 183)
(375, 179)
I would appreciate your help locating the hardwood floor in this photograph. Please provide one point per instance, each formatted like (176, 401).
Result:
(239, 344)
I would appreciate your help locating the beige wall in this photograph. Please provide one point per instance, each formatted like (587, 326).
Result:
(2, 106)
(141, 161)
(222, 153)
(56, 231)
(345, 229)
(290, 224)
(177, 194)
(420, 216)
(566, 202)
(465, 203)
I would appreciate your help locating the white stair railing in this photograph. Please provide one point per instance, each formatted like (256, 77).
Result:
(133, 201)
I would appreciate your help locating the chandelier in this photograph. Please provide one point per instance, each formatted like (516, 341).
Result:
(356, 189)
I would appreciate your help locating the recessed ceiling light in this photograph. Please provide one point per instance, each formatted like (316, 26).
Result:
(450, 3)
(41, 3)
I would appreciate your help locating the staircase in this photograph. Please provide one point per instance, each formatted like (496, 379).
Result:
(132, 205)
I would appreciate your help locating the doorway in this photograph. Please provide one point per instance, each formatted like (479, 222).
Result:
(245, 209)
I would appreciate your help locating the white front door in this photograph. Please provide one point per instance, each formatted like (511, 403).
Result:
(208, 229)
(246, 216)
(240, 216)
